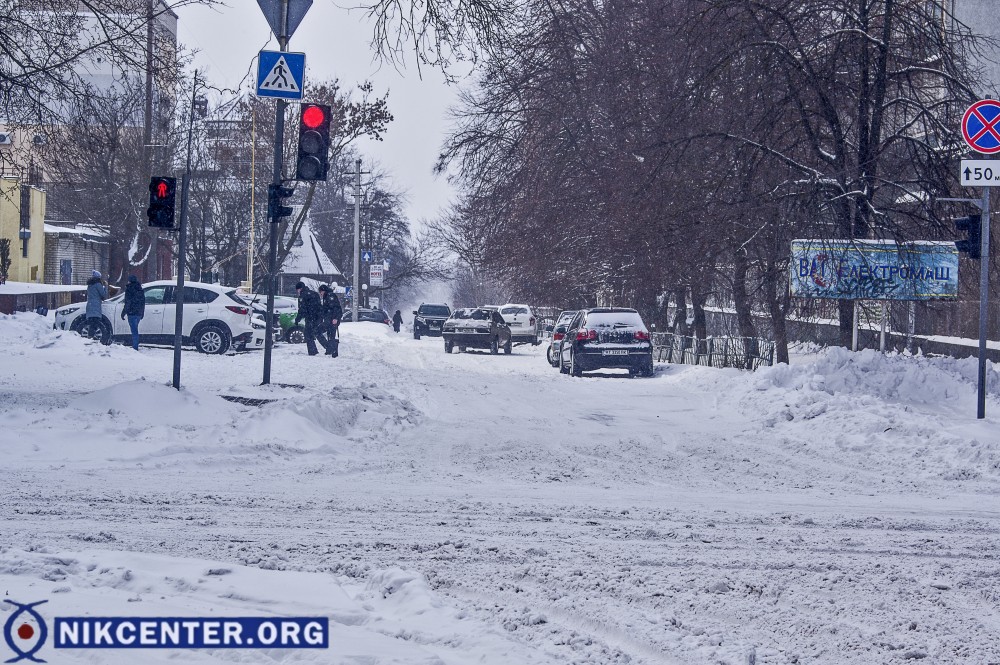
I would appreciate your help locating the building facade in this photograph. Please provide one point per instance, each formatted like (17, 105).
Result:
(22, 215)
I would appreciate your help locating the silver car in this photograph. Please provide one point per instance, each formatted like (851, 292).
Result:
(558, 332)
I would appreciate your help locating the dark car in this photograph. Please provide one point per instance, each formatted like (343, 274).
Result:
(606, 337)
(365, 314)
(428, 319)
(476, 328)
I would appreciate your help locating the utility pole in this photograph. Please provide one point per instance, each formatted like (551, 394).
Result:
(357, 239)
(272, 258)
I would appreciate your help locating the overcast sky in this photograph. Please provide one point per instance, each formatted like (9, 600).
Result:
(336, 43)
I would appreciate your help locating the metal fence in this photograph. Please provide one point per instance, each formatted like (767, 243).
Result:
(739, 352)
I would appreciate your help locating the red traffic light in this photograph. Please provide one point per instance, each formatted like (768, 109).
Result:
(313, 116)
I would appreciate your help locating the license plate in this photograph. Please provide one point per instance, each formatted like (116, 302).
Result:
(614, 352)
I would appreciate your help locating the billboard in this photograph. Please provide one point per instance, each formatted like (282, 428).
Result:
(874, 270)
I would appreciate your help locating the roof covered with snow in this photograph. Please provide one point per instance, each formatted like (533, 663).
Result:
(307, 257)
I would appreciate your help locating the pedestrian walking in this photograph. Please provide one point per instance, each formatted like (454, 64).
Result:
(397, 320)
(310, 309)
(332, 314)
(135, 307)
(97, 292)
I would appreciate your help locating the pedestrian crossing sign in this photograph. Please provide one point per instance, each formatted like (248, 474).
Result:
(281, 74)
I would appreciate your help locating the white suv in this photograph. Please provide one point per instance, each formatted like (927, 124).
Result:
(215, 318)
(522, 322)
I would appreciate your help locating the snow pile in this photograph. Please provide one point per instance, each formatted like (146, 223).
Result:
(393, 618)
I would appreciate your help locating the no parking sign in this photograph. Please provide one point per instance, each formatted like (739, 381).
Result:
(980, 126)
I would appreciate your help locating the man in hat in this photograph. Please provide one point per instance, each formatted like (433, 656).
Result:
(310, 309)
(97, 292)
(332, 313)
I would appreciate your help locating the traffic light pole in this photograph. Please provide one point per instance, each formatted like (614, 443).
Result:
(984, 287)
(272, 258)
(182, 246)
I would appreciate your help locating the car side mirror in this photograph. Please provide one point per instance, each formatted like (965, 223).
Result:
(414, 311)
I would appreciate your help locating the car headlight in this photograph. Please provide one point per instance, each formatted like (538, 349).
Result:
(67, 311)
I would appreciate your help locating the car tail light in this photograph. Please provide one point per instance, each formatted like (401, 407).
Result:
(386, 322)
(558, 336)
(531, 321)
(239, 310)
(584, 334)
(642, 334)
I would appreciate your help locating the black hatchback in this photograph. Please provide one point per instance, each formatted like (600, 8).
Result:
(606, 337)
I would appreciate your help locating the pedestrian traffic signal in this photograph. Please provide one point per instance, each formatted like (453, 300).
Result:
(161, 201)
(314, 143)
(275, 195)
(972, 225)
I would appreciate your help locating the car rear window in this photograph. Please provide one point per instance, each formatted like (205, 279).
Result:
(615, 320)
(434, 310)
(514, 310)
(477, 314)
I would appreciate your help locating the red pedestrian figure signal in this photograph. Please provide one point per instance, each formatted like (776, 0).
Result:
(314, 143)
(162, 190)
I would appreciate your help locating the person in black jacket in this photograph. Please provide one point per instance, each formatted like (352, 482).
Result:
(332, 313)
(135, 307)
(397, 320)
(311, 310)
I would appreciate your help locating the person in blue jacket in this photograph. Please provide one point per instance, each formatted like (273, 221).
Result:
(135, 307)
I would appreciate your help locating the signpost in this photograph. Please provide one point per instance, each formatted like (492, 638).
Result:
(284, 16)
(280, 74)
(979, 128)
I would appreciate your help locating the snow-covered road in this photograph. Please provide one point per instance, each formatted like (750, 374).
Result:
(840, 510)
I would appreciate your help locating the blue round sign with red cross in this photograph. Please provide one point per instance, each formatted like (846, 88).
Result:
(981, 126)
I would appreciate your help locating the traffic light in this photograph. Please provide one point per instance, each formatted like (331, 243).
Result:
(314, 142)
(972, 225)
(161, 201)
(275, 194)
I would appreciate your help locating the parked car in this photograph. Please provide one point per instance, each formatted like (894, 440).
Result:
(606, 337)
(215, 318)
(366, 314)
(428, 319)
(294, 333)
(522, 322)
(282, 304)
(476, 328)
(558, 333)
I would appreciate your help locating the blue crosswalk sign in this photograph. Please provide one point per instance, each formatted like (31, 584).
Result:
(280, 74)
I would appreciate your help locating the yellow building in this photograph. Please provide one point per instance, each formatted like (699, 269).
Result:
(26, 231)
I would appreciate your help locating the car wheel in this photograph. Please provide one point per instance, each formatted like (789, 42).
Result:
(647, 369)
(574, 369)
(448, 346)
(461, 349)
(295, 335)
(99, 333)
(494, 346)
(549, 357)
(416, 334)
(508, 347)
(563, 369)
(212, 340)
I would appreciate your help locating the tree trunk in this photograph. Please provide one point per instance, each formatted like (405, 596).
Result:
(744, 316)
(777, 307)
(700, 321)
(680, 326)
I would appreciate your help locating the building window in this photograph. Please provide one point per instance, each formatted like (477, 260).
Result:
(66, 271)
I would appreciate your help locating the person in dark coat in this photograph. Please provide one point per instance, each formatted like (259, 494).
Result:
(397, 320)
(310, 309)
(332, 314)
(135, 307)
(97, 292)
